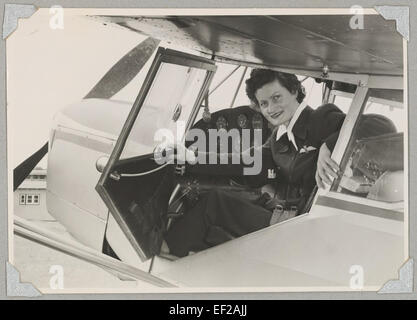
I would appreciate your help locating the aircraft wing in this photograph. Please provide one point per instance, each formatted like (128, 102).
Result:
(304, 42)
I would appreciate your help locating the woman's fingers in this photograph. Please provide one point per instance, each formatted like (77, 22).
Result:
(333, 165)
(329, 164)
(320, 184)
(322, 179)
(329, 170)
(325, 177)
(323, 171)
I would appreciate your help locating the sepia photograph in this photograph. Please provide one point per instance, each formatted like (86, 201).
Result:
(207, 150)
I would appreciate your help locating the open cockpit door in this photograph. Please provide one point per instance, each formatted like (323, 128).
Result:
(134, 187)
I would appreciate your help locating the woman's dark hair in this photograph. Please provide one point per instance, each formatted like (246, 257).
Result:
(260, 77)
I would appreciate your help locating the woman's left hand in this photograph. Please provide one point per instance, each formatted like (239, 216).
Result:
(327, 168)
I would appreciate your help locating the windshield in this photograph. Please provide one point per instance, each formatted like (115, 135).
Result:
(168, 105)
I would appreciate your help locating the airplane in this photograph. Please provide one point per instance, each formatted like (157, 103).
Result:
(104, 186)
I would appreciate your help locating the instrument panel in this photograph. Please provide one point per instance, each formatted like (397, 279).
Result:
(240, 118)
(237, 119)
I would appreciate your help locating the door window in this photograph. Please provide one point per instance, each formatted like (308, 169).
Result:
(373, 164)
(134, 187)
(167, 106)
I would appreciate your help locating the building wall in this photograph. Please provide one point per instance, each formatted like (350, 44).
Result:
(30, 197)
(31, 211)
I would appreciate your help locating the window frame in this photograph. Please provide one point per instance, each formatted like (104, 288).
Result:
(24, 199)
(29, 196)
(341, 155)
(36, 196)
(162, 56)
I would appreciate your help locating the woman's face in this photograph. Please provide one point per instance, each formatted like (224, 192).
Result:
(277, 104)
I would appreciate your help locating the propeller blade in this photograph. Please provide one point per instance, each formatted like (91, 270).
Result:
(111, 83)
(124, 70)
(22, 170)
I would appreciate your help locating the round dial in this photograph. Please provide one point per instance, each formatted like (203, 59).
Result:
(257, 121)
(221, 123)
(242, 121)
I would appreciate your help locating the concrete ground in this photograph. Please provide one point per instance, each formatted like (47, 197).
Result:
(38, 265)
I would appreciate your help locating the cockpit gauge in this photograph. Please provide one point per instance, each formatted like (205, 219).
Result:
(257, 121)
(221, 123)
(242, 121)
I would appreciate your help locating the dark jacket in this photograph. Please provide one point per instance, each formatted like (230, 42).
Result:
(295, 177)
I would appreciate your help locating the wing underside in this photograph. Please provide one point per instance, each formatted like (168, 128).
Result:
(304, 42)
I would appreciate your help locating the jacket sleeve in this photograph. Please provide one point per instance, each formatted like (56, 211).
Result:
(326, 122)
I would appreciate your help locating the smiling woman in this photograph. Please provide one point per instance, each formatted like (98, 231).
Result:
(290, 156)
